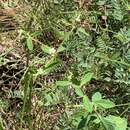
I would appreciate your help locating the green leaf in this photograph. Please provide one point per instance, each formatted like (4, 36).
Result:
(87, 104)
(61, 34)
(86, 78)
(82, 122)
(117, 122)
(121, 37)
(51, 62)
(101, 2)
(29, 43)
(48, 68)
(82, 30)
(97, 96)
(34, 34)
(61, 49)
(56, 1)
(97, 121)
(79, 91)
(105, 103)
(1, 124)
(49, 99)
(48, 49)
(63, 83)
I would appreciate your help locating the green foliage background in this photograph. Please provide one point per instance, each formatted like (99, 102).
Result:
(78, 65)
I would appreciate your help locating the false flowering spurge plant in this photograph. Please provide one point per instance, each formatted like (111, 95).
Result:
(92, 114)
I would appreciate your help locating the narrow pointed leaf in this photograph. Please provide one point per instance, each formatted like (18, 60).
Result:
(29, 43)
(63, 83)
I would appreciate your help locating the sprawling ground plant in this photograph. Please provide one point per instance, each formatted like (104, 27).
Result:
(75, 71)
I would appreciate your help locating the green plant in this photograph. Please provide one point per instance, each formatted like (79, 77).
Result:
(93, 112)
(76, 60)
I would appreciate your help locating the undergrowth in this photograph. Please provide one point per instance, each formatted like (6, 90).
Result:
(74, 68)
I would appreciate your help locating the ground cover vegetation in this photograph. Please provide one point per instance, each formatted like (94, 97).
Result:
(64, 65)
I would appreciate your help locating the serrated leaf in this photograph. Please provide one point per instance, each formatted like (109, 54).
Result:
(29, 43)
(105, 103)
(86, 78)
(87, 104)
(63, 83)
(97, 96)
(47, 49)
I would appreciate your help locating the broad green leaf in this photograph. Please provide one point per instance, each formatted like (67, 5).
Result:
(48, 49)
(117, 122)
(86, 78)
(63, 83)
(87, 104)
(29, 43)
(97, 96)
(105, 103)
(79, 91)
(107, 124)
